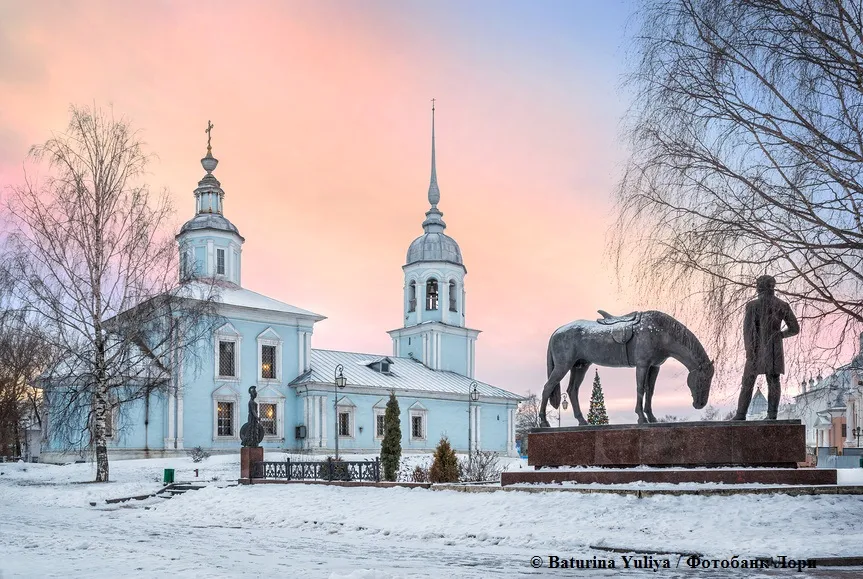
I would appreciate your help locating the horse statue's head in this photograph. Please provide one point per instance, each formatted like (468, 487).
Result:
(699, 381)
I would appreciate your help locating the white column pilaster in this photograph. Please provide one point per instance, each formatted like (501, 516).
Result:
(307, 343)
(301, 350)
(211, 270)
(478, 429)
(322, 410)
(508, 433)
(169, 440)
(444, 301)
(307, 415)
(421, 300)
(180, 418)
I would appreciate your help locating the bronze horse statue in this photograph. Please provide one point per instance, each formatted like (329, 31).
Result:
(643, 340)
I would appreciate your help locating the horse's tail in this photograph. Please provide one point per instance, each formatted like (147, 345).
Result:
(554, 397)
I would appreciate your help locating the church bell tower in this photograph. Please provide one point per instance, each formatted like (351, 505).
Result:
(434, 330)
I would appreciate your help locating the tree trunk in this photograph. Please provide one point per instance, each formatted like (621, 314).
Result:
(147, 424)
(100, 406)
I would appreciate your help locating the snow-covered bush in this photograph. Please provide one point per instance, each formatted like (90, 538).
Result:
(198, 454)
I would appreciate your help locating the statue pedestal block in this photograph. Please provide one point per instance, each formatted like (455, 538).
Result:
(762, 443)
(249, 455)
(730, 476)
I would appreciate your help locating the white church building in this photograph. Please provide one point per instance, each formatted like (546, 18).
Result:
(268, 343)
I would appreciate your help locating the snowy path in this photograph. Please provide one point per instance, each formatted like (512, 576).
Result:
(69, 543)
(49, 529)
(78, 541)
(81, 542)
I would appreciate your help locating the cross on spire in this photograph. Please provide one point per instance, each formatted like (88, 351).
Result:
(209, 132)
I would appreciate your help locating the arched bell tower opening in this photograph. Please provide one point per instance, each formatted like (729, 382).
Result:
(434, 330)
(431, 295)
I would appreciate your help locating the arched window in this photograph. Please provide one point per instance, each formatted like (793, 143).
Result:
(453, 301)
(412, 297)
(431, 294)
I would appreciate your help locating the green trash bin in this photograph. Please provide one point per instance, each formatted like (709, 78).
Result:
(169, 475)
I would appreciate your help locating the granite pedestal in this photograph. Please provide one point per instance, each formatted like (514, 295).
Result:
(249, 455)
(768, 476)
(777, 443)
(683, 452)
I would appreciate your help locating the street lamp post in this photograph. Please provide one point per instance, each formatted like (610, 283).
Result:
(563, 406)
(472, 397)
(339, 381)
(857, 432)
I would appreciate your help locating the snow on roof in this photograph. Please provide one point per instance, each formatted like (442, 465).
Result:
(405, 374)
(234, 295)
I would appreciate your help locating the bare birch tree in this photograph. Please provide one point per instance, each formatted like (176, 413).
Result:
(94, 262)
(746, 159)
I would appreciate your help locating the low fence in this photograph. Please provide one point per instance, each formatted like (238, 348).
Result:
(326, 470)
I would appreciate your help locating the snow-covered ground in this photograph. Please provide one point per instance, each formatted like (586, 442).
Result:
(49, 529)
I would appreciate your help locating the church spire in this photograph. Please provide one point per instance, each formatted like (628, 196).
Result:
(209, 196)
(434, 191)
(433, 222)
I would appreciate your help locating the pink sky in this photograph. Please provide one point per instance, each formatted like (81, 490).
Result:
(321, 114)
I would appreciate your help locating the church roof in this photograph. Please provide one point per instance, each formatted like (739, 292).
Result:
(209, 221)
(434, 246)
(405, 374)
(758, 404)
(234, 295)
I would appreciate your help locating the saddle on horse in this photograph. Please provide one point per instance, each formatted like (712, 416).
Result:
(623, 326)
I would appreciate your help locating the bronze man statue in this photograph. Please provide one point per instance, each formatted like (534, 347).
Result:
(762, 337)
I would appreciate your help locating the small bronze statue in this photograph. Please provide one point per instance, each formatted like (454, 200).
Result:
(762, 338)
(252, 432)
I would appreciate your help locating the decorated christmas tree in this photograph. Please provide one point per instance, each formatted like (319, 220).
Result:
(597, 414)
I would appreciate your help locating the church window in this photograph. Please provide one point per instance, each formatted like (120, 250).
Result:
(417, 427)
(453, 307)
(269, 346)
(225, 418)
(431, 294)
(268, 362)
(412, 297)
(220, 261)
(227, 359)
(267, 413)
(418, 422)
(380, 424)
(345, 424)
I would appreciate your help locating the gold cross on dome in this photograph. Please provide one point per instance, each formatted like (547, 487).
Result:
(209, 132)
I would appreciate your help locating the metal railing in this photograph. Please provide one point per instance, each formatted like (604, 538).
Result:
(328, 470)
